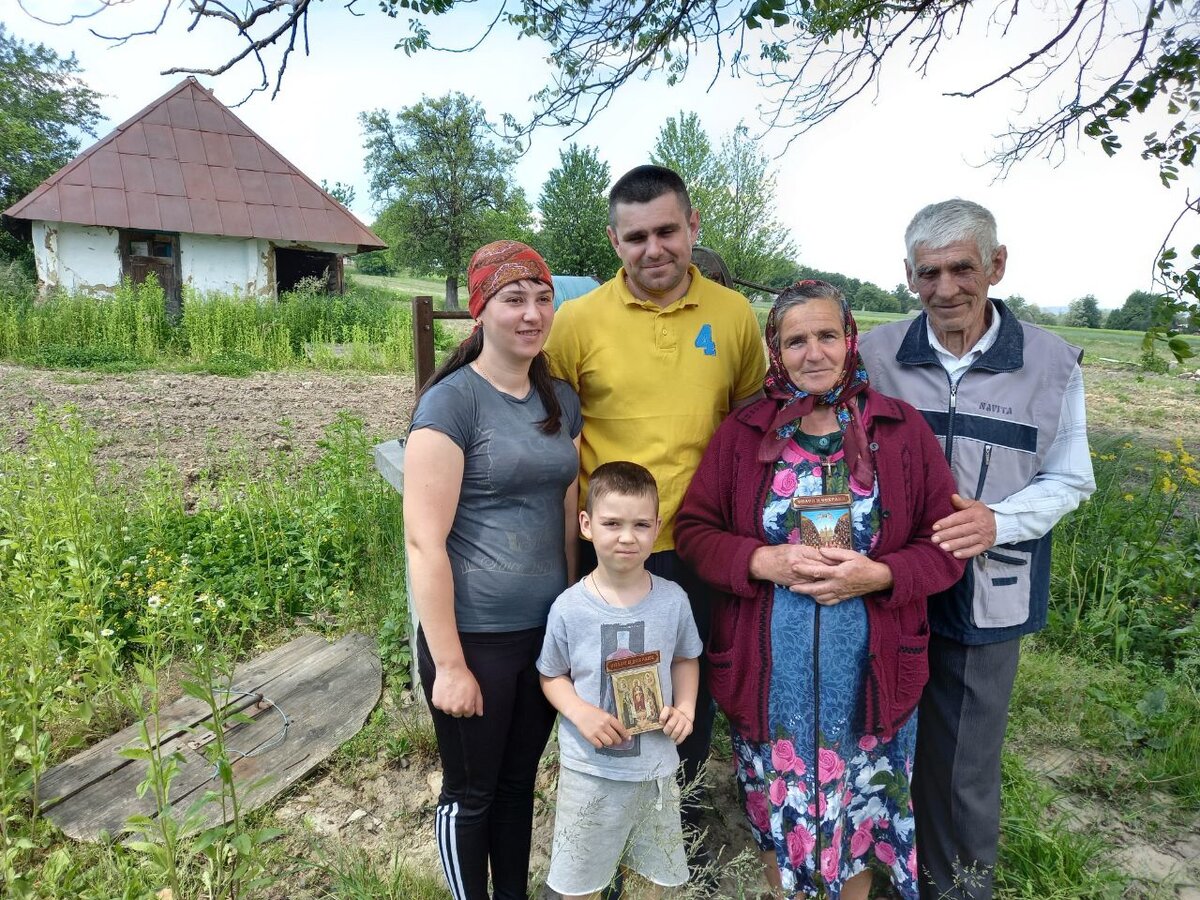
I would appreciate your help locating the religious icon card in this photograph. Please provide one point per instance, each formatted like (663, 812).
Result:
(637, 691)
(823, 520)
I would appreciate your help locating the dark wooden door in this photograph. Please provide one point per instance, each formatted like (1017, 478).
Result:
(146, 252)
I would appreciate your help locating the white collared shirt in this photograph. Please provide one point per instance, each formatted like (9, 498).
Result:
(1065, 479)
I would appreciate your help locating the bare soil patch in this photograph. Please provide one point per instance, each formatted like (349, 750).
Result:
(194, 420)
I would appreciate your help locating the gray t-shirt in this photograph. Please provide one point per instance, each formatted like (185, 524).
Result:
(582, 633)
(506, 543)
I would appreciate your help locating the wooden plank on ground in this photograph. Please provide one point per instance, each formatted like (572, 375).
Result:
(325, 690)
(99, 760)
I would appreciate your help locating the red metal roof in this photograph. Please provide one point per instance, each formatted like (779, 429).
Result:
(186, 163)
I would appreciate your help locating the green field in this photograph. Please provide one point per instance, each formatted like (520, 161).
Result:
(411, 286)
(1100, 346)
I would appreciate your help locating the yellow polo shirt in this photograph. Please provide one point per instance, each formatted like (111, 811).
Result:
(654, 383)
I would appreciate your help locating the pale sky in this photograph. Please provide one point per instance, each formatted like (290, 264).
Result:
(846, 190)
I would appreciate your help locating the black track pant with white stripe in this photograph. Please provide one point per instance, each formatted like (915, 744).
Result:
(489, 764)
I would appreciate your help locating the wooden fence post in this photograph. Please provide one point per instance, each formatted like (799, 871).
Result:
(423, 339)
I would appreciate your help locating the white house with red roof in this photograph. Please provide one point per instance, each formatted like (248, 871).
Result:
(184, 189)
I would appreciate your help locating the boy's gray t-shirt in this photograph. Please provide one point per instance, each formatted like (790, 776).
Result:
(506, 544)
(582, 633)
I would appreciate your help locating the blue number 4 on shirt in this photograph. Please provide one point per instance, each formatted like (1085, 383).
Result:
(704, 340)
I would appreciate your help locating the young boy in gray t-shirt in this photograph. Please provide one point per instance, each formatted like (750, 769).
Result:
(618, 801)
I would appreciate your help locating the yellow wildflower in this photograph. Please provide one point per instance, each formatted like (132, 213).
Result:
(1165, 456)
(1167, 486)
(1192, 476)
(1127, 446)
(1185, 458)
(1128, 498)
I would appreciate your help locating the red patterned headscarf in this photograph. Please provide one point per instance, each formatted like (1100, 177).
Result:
(795, 403)
(501, 263)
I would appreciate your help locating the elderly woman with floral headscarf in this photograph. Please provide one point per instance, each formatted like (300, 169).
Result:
(490, 496)
(812, 513)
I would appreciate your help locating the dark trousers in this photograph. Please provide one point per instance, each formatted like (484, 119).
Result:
(693, 752)
(489, 765)
(956, 776)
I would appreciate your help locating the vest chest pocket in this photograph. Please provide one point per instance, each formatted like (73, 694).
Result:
(1002, 587)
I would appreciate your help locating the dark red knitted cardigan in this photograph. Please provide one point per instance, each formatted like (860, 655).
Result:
(720, 525)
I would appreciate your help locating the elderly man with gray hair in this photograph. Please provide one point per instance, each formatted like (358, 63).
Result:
(1006, 400)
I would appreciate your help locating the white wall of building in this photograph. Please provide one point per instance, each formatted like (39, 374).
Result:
(87, 259)
(80, 258)
(220, 264)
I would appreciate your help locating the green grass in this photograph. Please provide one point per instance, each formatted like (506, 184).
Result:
(1101, 344)
(350, 873)
(1041, 856)
(412, 286)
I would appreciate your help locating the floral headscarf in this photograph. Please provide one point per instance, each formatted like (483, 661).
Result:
(501, 263)
(794, 403)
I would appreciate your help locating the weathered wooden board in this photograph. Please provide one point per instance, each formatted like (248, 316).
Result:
(389, 462)
(326, 691)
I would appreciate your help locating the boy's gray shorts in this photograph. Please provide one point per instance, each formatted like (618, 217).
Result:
(600, 822)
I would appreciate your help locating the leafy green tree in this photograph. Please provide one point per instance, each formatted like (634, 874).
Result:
(1029, 312)
(734, 189)
(574, 208)
(683, 146)
(847, 285)
(872, 298)
(746, 232)
(342, 193)
(1137, 313)
(1084, 313)
(782, 271)
(374, 262)
(906, 298)
(439, 171)
(513, 222)
(44, 105)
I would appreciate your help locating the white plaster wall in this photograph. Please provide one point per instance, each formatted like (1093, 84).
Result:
(87, 258)
(211, 263)
(242, 265)
(76, 257)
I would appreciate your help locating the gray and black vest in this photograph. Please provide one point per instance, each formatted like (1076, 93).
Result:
(996, 427)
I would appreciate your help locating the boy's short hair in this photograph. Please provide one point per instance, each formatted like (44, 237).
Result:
(627, 478)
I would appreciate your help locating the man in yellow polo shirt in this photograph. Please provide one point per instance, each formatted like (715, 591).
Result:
(659, 356)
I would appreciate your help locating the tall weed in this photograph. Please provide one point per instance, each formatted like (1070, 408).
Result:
(131, 325)
(365, 329)
(1126, 566)
(1041, 858)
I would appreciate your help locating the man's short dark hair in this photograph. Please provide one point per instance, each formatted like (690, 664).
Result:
(625, 478)
(646, 183)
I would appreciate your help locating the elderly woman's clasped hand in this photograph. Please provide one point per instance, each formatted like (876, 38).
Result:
(829, 575)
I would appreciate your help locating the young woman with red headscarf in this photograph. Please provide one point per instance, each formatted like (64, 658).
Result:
(490, 525)
(819, 637)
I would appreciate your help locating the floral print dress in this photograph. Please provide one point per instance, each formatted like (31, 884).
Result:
(829, 800)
